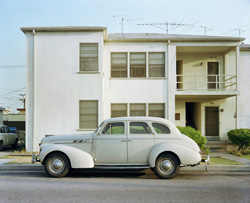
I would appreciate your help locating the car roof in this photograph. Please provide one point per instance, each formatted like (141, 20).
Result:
(138, 119)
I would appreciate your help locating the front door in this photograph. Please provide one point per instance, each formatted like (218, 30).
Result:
(111, 144)
(212, 121)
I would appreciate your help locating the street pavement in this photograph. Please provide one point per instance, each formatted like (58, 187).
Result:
(123, 187)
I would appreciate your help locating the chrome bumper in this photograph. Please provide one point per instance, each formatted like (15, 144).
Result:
(207, 160)
(35, 158)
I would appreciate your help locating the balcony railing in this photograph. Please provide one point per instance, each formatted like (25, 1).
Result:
(206, 83)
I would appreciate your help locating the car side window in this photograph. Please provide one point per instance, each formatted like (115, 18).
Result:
(114, 129)
(139, 128)
(160, 128)
(2, 130)
(7, 130)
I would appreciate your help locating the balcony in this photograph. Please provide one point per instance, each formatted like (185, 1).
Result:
(205, 86)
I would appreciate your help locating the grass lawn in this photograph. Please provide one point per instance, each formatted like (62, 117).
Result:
(221, 161)
(18, 159)
(246, 156)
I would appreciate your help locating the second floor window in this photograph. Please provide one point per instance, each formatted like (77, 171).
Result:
(119, 65)
(138, 65)
(88, 57)
(156, 64)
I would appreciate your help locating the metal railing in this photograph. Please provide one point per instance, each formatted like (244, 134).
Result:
(206, 82)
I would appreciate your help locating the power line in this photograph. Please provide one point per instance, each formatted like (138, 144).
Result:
(12, 92)
(12, 66)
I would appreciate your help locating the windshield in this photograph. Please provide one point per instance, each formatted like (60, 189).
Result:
(100, 126)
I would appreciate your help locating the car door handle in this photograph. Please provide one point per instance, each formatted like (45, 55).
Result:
(123, 140)
(130, 140)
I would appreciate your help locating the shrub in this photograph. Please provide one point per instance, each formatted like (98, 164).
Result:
(196, 136)
(240, 137)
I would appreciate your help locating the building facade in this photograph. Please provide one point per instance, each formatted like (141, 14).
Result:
(78, 76)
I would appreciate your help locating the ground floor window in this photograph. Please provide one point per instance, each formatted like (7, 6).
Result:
(88, 114)
(138, 109)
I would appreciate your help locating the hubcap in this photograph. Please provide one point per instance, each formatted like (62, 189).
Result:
(56, 165)
(166, 166)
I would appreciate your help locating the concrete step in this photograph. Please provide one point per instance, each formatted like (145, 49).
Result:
(217, 146)
(213, 138)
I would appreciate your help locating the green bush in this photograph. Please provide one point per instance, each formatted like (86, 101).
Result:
(240, 137)
(196, 136)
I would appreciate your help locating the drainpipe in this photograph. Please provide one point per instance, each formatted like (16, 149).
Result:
(33, 92)
(236, 98)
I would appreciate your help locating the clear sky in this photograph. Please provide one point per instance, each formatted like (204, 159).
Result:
(222, 16)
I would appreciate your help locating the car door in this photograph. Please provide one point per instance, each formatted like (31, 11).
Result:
(111, 144)
(10, 136)
(140, 142)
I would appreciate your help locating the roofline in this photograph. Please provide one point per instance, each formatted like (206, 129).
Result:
(127, 37)
(245, 47)
(63, 29)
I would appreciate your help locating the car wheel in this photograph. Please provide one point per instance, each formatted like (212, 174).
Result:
(167, 166)
(57, 165)
(15, 144)
(1, 145)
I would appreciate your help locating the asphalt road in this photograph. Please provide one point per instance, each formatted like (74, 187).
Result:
(119, 187)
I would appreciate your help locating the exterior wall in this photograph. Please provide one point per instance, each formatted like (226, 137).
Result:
(58, 85)
(133, 90)
(243, 87)
(181, 109)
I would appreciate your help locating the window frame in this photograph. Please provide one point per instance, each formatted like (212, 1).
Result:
(150, 133)
(80, 115)
(146, 62)
(164, 65)
(110, 123)
(98, 60)
(127, 64)
(153, 122)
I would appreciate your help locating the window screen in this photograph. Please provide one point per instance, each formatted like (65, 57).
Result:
(160, 128)
(137, 109)
(119, 65)
(156, 110)
(118, 110)
(156, 64)
(88, 57)
(88, 114)
(137, 64)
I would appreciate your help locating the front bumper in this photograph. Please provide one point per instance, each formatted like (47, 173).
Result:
(35, 158)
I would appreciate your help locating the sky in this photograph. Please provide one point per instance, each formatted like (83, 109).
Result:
(221, 17)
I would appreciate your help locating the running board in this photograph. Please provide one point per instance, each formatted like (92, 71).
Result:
(128, 167)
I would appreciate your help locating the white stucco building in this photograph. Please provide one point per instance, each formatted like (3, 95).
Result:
(1, 115)
(78, 76)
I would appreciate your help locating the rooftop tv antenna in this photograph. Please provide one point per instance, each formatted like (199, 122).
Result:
(122, 21)
(238, 29)
(205, 29)
(167, 24)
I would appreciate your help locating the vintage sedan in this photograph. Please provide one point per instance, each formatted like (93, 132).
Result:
(7, 138)
(121, 143)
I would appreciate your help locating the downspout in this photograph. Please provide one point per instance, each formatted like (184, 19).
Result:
(236, 98)
(33, 92)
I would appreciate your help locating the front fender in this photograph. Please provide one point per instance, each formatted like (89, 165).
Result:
(186, 155)
(77, 157)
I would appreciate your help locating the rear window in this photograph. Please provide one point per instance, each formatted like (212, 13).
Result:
(160, 128)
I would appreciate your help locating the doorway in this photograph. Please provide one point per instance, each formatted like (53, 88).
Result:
(212, 75)
(179, 75)
(212, 121)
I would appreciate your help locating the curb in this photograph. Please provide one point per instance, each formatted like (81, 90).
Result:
(210, 168)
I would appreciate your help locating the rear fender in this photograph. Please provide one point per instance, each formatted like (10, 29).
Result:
(186, 155)
(77, 157)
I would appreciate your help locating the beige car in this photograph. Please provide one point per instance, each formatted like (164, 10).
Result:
(121, 143)
(7, 138)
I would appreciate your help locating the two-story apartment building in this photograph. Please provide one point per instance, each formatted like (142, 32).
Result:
(78, 76)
